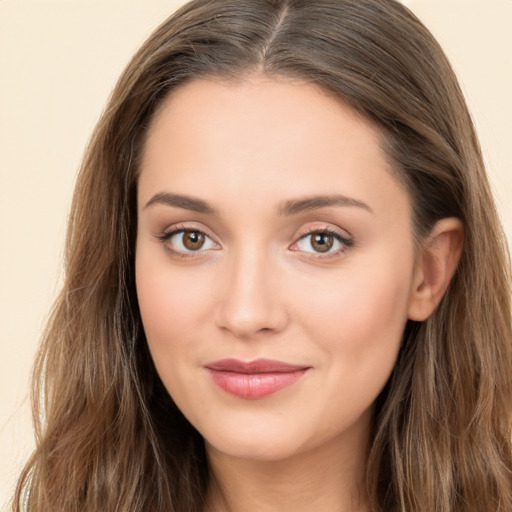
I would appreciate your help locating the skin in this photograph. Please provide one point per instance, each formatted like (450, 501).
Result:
(259, 288)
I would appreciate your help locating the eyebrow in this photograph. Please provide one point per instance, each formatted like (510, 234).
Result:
(313, 203)
(291, 207)
(182, 201)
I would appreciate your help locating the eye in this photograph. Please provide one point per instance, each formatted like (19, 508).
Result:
(187, 241)
(325, 241)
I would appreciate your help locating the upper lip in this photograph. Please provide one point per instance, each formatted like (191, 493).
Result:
(256, 366)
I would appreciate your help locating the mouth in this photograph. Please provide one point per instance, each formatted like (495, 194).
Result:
(254, 379)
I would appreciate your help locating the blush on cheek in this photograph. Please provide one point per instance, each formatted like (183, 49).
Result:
(361, 318)
(173, 306)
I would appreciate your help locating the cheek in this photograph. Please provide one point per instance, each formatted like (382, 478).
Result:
(359, 316)
(172, 305)
(164, 302)
(172, 311)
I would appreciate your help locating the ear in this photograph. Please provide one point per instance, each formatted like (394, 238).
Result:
(437, 262)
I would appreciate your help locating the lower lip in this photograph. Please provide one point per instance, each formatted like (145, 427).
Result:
(255, 385)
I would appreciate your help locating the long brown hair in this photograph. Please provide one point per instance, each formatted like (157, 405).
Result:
(109, 436)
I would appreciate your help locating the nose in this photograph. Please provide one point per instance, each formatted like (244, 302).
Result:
(252, 299)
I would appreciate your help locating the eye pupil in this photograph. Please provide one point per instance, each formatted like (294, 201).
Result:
(322, 242)
(193, 240)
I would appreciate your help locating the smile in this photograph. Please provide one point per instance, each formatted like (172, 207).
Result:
(254, 379)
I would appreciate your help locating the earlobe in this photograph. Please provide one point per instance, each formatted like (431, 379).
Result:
(437, 263)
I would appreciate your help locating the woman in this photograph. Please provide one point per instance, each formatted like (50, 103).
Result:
(287, 285)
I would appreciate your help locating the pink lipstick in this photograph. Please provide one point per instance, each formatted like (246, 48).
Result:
(254, 379)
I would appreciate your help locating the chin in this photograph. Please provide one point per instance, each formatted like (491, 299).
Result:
(268, 450)
(263, 443)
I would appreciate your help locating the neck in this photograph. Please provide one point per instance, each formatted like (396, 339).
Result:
(328, 478)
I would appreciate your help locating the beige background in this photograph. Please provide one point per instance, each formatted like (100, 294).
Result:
(58, 63)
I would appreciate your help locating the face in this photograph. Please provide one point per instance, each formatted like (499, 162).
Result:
(274, 264)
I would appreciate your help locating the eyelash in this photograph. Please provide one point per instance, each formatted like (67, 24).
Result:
(167, 235)
(346, 243)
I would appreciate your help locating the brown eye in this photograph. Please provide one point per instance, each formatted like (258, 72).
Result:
(322, 242)
(193, 240)
(187, 241)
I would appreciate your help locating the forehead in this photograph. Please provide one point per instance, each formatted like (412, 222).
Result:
(212, 106)
(262, 139)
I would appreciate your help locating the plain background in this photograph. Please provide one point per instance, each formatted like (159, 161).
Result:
(58, 62)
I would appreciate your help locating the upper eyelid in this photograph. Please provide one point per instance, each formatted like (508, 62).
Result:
(346, 244)
(177, 228)
(342, 234)
(345, 240)
(166, 234)
(165, 237)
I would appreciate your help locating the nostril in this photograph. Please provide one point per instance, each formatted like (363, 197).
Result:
(245, 321)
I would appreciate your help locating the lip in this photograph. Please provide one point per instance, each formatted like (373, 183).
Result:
(254, 379)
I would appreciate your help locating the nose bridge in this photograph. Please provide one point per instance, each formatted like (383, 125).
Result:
(251, 300)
